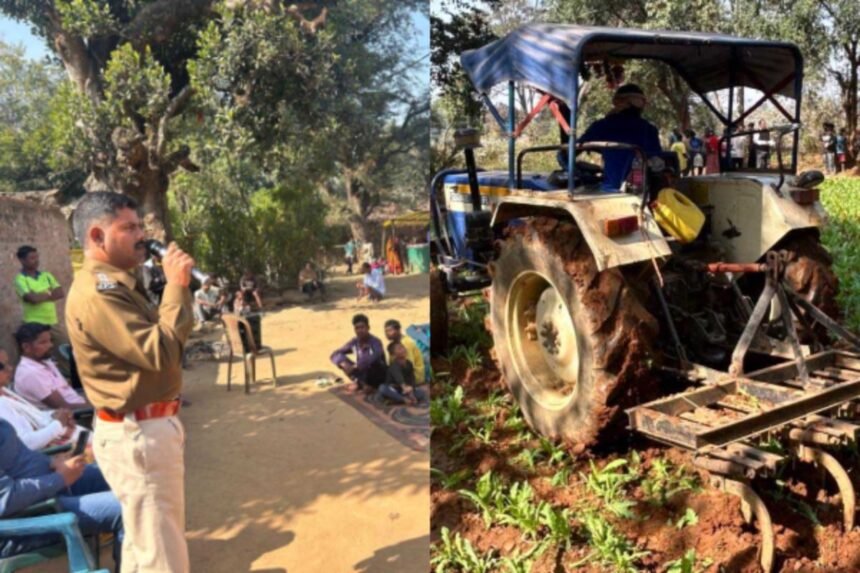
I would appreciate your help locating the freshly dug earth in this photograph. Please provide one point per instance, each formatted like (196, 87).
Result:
(720, 535)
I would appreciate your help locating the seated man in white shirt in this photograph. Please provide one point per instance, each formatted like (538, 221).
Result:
(373, 284)
(36, 428)
(37, 378)
(208, 302)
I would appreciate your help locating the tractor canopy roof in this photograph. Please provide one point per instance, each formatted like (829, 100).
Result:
(549, 57)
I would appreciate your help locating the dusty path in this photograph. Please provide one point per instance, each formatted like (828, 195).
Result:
(293, 479)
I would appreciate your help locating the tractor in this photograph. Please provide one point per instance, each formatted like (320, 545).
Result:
(718, 283)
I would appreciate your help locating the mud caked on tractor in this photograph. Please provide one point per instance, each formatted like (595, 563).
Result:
(719, 282)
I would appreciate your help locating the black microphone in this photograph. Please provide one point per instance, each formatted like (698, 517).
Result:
(157, 248)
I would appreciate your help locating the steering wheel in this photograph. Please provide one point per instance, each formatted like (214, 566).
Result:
(587, 173)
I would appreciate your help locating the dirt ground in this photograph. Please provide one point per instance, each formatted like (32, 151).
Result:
(291, 479)
(720, 534)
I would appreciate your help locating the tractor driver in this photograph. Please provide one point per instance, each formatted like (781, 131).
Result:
(624, 124)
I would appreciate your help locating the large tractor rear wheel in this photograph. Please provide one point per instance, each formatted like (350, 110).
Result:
(573, 344)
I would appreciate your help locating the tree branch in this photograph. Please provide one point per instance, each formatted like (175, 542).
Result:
(157, 22)
(76, 58)
(176, 105)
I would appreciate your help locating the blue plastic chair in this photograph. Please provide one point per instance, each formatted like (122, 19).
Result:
(66, 524)
(420, 333)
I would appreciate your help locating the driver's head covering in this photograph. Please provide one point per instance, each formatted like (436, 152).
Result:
(629, 95)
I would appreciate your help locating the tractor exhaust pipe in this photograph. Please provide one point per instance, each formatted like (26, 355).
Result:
(468, 139)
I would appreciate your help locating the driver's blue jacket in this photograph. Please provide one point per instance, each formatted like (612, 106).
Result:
(623, 127)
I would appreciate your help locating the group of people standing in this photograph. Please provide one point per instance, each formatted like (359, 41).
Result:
(834, 148)
(706, 155)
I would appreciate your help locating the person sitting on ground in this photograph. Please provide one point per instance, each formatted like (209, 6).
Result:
(624, 124)
(394, 334)
(400, 384)
(368, 370)
(208, 302)
(27, 477)
(250, 290)
(309, 281)
(37, 378)
(372, 285)
(36, 428)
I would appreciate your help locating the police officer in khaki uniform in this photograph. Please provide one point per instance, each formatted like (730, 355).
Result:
(129, 355)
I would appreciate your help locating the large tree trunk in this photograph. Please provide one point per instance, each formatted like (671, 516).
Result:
(849, 101)
(358, 209)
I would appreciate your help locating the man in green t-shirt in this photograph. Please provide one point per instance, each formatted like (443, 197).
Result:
(38, 290)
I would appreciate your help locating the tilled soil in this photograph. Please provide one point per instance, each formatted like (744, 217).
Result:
(796, 502)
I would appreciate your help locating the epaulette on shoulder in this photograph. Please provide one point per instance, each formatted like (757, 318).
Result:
(104, 282)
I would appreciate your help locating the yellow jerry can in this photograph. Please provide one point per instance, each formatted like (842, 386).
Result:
(678, 215)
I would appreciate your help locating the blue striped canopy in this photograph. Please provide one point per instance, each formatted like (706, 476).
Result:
(548, 57)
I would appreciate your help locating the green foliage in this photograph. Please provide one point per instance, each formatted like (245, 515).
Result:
(136, 84)
(86, 17)
(517, 508)
(27, 103)
(841, 199)
(782, 494)
(452, 480)
(484, 433)
(232, 219)
(468, 326)
(557, 524)
(609, 483)
(448, 410)
(454, 554)
(471, 355)
(688, 563)
(690, 517)
(487, 496)
(610, 547)
(663, 482)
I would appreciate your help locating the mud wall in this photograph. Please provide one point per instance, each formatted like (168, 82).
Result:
(28, 223)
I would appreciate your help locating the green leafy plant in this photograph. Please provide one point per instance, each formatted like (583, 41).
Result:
(560, 478)
(484, 434)
(452, 480)
(557, 524)
(517, 508)
(471, 355)
(456, 554)
(527, 458)
(555, 454)
(487, 496)
(517, 563)
(688, 563)
(609, 484)
(690, 517)
(448, 409)
(663, 482)
(609, 547)
(782, 494)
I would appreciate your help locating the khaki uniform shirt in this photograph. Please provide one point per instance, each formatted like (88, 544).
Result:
(128, 351)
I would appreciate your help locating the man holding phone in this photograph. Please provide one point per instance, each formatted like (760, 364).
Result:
(27, 477)
(129, 357)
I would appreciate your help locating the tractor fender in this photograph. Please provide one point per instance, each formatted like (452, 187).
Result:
(589, 212)
(748, 216)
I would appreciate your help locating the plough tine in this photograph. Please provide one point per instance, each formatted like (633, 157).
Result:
(821, 458)
(752, 506)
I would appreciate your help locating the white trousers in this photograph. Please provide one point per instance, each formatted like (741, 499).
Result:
(143, 462)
